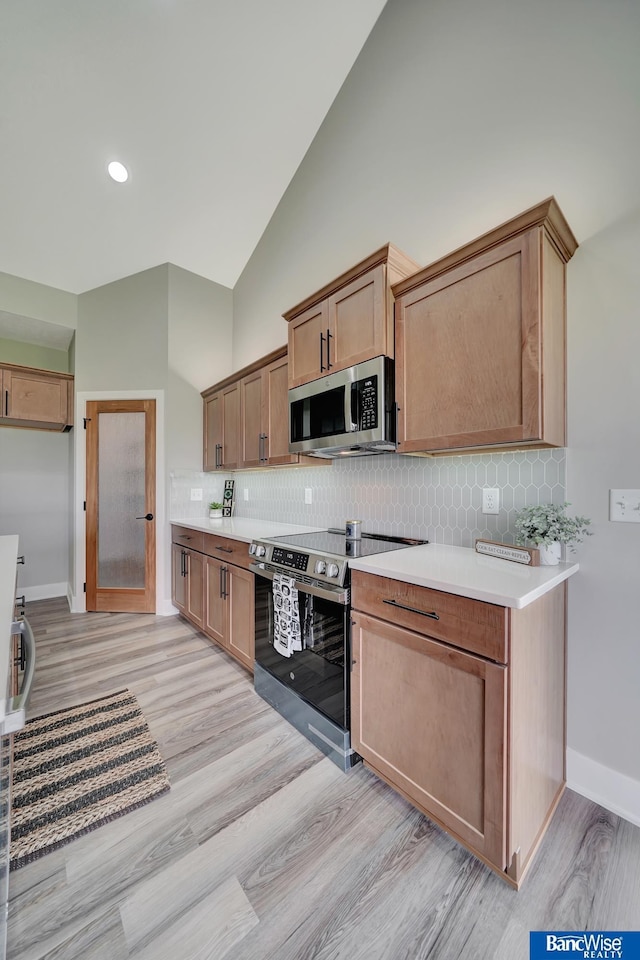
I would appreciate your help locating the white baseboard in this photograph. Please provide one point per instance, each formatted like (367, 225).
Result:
(617, 792)
(45, 592)
(165, 608)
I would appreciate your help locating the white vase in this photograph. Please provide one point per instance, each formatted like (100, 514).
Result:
(550, 553)
(215, 514)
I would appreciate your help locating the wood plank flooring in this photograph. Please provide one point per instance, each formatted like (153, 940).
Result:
(263, 849)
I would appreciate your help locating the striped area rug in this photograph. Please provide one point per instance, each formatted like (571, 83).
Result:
(76, 769)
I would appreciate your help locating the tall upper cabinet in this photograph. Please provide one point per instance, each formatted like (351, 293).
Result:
(349, 320)
(41, 399)
(480, 340)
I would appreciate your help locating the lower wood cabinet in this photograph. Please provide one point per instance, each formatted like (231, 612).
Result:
(477, 745)
(212, 589)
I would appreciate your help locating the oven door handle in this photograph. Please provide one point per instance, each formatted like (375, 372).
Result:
(14, 718)
(339, 595)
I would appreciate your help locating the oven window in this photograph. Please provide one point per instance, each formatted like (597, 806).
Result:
(318, 672)
(318, 416)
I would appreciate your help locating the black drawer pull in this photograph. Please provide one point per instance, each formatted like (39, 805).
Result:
(423, 613)
(181, 536)
(225, 549)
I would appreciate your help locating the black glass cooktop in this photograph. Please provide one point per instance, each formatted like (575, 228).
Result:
(334, 542)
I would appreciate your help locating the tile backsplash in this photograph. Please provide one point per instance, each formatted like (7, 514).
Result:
(437, 499)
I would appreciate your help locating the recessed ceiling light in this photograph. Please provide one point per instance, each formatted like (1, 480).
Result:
(117, 171)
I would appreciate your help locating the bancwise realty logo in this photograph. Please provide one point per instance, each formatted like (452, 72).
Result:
(604, 945)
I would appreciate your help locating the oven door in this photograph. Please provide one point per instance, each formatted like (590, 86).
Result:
(319, 673)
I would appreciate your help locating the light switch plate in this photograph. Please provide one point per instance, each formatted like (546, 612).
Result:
(624, 506)
(245, 493)
(308, 495)
(196, 493)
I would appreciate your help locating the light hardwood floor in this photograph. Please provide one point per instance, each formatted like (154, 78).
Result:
(263, 849)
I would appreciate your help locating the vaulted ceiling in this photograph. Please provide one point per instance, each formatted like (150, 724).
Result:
(211, 105)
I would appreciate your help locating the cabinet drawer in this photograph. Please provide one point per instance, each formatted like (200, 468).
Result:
(193, 539)
(224, 548)
(469, 624)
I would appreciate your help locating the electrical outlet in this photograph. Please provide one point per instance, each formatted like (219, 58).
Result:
(245, 493)
(490, 500)
(308, 495)
(196, 493)
(624, 506)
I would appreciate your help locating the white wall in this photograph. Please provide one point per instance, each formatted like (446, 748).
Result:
(456, 116)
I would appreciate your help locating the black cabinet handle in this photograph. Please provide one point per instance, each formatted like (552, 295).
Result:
(20, 560)
(329, 337)
(225, 592)
(6, 403)
(225, 549)
(423, 613)
(218, 455)
(321, 352)
(147, 516)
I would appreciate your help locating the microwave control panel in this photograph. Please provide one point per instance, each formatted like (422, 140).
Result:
(368, 397)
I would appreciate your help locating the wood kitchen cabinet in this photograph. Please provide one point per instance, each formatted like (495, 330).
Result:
(246, 418)
(213, 588)
(187, 575)
(221, 422)
(349, 320)
(480, 340)
(40, 399)
(460, 706)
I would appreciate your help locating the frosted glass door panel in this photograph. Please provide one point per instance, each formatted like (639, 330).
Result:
(121, 498)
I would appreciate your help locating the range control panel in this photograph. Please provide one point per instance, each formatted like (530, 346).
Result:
(289, 558)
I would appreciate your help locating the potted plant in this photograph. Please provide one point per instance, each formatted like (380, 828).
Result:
(547, 527)
(215, 510)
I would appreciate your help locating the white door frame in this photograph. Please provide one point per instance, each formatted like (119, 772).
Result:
(77, 599)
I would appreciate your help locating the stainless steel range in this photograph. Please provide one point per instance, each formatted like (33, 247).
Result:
(302, 631)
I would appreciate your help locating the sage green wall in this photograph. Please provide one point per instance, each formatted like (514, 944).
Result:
(31, 355)
(28, 299)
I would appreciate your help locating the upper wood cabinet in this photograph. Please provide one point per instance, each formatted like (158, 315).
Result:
(222, 427)
(480, 340)
(349, 320)
(246, 418)
(35, 398)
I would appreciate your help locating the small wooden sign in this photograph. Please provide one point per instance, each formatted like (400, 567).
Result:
(505, 551)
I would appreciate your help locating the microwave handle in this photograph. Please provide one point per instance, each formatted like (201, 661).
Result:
(351, 407)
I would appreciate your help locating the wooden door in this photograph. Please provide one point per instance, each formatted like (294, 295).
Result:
(252, 408)
(213, 432)
(357, 321)
(308, 345)
(37, 397)
(468, 369)
(277, 425)
(231, 446)
(121, 505)
(431, 720)
(216, 608)
(241, 602)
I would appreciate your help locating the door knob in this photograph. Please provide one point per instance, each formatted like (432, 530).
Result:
(147, 516)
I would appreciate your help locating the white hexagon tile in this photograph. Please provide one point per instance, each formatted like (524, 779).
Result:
(437, 499)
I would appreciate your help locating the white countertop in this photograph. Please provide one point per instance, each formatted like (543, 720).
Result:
(8, 559)
(462, 571)
(243, 528)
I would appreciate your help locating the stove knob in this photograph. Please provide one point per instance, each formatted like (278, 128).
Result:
(320, 567)
(260, 551)
(252, 549)
(332, 570)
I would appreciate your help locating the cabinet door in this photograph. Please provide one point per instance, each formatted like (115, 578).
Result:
(213, 432)
(357, 317)
(36, 397)
(468, 351)
(277, 424)
(431, 720)
(178, 577)
(241, 603)
(216, 624)
(308, 345)
(253, 415)
(195, 588)
(231, 426)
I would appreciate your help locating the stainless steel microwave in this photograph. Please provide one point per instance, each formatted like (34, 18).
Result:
(347, 413)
